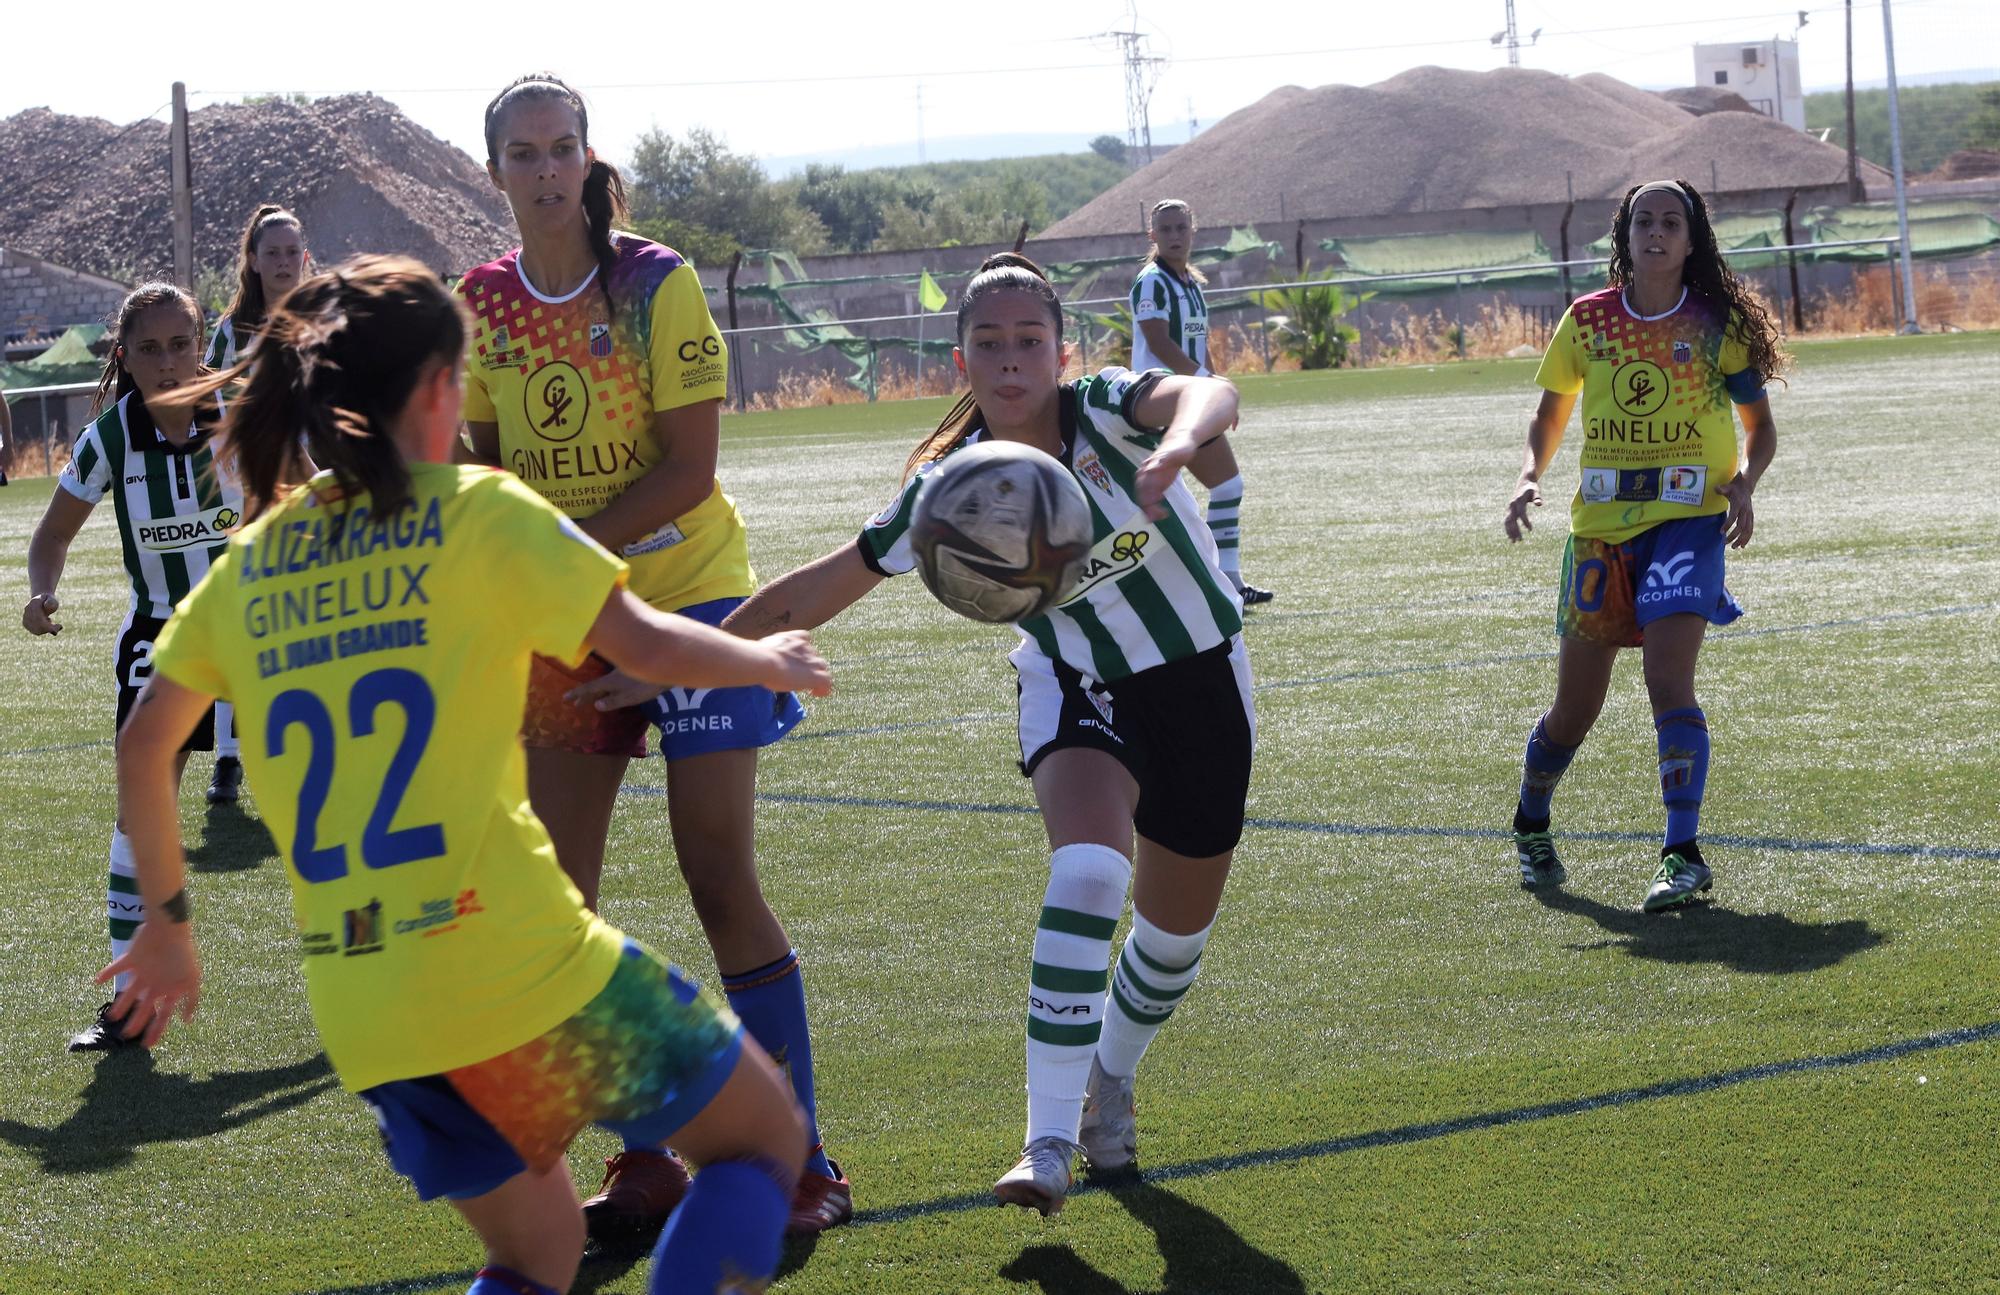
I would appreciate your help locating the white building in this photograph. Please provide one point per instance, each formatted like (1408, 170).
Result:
(1766, 73)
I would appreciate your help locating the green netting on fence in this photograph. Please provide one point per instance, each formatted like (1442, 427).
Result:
(68, 361)
(1959, 235)
(1515, 257)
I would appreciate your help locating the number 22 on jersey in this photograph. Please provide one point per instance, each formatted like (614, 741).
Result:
(381, 846)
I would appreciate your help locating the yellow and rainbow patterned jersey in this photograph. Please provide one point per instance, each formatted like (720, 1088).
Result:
(1659, 432)
(378, 671)
(573, 385)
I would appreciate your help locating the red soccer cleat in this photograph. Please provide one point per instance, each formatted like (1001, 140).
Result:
(820, 1202)
(640, 1189)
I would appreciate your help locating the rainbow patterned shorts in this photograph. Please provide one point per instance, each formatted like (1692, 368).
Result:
(641, 1059)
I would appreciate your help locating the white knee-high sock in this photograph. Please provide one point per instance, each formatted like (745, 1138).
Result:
(226, 743)
(1154, 973)
(1080, 911)
(122, 905)
(1225, 512)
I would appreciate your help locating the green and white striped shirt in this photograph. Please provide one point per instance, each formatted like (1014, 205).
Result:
(174, 509)
(1158, 294)
(222, 346)
(1152, 591)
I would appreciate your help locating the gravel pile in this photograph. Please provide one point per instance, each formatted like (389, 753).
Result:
(1438, 139)
(84, 193)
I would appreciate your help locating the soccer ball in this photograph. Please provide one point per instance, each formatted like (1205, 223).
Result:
(1001, 532)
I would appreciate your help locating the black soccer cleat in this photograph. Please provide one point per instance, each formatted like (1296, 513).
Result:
(227, 782)
(103, 1035)
(1253, 596)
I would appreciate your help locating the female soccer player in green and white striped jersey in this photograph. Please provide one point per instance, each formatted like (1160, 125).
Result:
(272, 260)
(1170, 331)
(174, 513)
(1135, 712)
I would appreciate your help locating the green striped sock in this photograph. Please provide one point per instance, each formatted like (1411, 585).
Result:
(1066, 984)
(1154, 973)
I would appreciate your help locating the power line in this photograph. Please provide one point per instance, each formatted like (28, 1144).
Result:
(1732, 20)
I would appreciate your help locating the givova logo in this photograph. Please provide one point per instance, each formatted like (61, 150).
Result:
(1661, 575)
(194, 531)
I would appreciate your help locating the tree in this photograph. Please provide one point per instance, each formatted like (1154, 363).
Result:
(707, 196)
(1983, 131)
(1110, 148)
(1308, 326)
(852, 205)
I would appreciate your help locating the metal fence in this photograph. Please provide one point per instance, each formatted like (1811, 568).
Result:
(58, 411)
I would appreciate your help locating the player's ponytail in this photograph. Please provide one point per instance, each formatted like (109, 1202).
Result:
(603, 188)
(1001, 272)
(113, 382)
(338, 361)
(603, 210)
(1705, 273)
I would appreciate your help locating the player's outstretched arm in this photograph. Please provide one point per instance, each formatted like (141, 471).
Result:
(1545, 434)
(165, 971)
(808, 597)
(1194, 411)
(663, 648)
(48, 551)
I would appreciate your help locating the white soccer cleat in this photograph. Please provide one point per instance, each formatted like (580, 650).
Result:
(1041, 1178)
(1110, 1131)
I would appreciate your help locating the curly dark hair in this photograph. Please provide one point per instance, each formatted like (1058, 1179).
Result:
(1708, 274)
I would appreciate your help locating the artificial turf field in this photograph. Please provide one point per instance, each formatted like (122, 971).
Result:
(1398, 1072)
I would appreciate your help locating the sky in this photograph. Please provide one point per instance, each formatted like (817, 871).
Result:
(788, 80)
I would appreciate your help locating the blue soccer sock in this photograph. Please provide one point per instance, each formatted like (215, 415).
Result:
(1541, 770)
(495, 1280)
(727, 1232)
(771, 1000)
(1683, 738)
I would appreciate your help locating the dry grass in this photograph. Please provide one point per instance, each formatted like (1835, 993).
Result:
(1945, 301)
(1495, 330)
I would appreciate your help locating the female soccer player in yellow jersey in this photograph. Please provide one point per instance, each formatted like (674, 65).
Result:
(155, 463)
(596, 376)
(459, 983)
(1134, 698)
(1659, 357)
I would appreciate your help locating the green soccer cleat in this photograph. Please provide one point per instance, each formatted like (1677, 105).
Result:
(1539, 865)
(1676, 883)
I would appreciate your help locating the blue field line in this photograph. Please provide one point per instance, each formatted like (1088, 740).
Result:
(1402, 1135)
(1472, 663)
(1409, 1133)
(1779, 843)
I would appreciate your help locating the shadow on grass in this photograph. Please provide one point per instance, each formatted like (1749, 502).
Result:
(128, 1103)
(1204, 1255)
(1758, 943)
(232, 841)
(608, 1262)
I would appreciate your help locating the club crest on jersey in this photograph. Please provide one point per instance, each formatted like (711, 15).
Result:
(1092, 470)
(1683, 352)
(600, 340)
